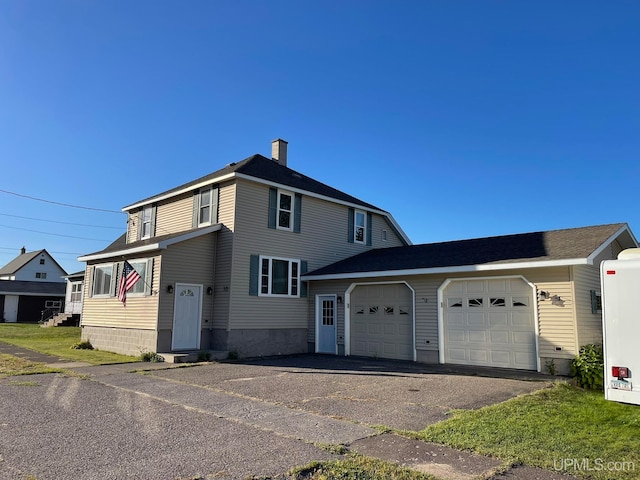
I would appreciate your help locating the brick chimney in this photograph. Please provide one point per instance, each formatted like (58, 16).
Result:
(23, 251)
(279, 151)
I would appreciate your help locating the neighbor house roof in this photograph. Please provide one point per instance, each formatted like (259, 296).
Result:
(556, 247)
(24, 258)
(121, 248)
(32, 288)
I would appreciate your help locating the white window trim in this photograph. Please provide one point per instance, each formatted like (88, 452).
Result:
(201, 206)
(149, 209)
(111, 284)
(364, 227)
(144, 280)
(291, 212)
(270, 277)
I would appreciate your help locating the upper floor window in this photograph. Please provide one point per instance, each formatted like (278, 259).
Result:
(206, 207)
(146, 222)
(359, 225)
(285, 210)
(279, 276)
(42, 261)
(41, 275)
(103, 280)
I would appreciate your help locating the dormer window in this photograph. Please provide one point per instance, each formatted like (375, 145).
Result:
(285, 210)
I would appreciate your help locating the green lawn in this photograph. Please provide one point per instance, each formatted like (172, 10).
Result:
(57, 341)
(10, 365)
(562, 427)
(356, 467)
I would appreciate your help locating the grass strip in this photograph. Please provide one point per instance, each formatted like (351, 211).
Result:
(10, 365)
(559, 428)
(57, 341)
(355, 467)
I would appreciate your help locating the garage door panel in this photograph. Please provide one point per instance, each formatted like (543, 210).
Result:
(386, 328)
(496, 328)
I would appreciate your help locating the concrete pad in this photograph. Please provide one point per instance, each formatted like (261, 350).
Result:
(437, 460)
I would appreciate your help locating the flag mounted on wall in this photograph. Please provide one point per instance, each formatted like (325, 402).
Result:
(127, 281)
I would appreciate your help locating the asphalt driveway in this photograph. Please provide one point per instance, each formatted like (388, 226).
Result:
(401, 395)
(235, 420)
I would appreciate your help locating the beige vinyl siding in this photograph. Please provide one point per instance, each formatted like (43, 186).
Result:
(323, 239)
(224, 254)
(141, 312)
(556, 320)
(190, 261)
(585, 279)
(328, 287)
(132, 226)
(174, 215)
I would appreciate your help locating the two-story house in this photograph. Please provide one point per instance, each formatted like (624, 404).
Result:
(259, 259)
(222, 259)
(29, 284)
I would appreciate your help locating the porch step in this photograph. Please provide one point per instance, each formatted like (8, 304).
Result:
(195, 356)
(62, 320)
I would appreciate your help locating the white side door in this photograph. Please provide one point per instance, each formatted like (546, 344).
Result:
(11, 308)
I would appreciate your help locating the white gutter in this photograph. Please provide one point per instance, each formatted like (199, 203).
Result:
(456, 269)
(152, 246)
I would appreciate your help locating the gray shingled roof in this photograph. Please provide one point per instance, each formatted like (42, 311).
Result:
(21, 287)
(266, 169)
(20, 261)
(573, 243)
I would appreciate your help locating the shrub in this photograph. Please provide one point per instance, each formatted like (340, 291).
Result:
(204, 356)
(151, 357)
(86, 345)
(588, 367)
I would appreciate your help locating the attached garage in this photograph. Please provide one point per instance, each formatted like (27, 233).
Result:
(381, 321)
(489, 322)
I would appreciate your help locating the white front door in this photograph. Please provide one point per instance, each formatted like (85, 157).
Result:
(11, 308)
(326, 324)
(187, 312)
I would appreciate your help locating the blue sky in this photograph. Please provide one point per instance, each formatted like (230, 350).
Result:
(462, 118)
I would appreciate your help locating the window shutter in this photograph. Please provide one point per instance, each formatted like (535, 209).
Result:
(196, 208)
(594, 302)
(351, 220)
(215, 192)
(115, 269)
(254, 269)
(369, 227)
(148, 278)
(273, 207)
(153, 221)
(297, 213)
(89, 279)
(303, 285)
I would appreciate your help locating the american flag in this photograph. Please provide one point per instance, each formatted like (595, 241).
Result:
(127, 281)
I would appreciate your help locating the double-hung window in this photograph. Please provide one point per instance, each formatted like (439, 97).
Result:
(285, 210)
(359, 226)
(279, 277)
(206, 207)
(76, 292)
(146, 222)
(103, 280)
(143, 268)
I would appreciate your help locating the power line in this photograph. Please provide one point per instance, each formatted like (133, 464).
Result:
(13, 249)
(60, 203)
(57, 221)
(57, 234)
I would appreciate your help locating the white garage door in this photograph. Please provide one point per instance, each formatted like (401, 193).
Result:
(381, 319)
(490, 322)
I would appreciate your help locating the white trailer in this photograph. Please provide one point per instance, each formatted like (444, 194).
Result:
(620, 290)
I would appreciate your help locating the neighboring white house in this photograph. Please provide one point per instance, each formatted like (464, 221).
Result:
(29, 284)
(73, 297)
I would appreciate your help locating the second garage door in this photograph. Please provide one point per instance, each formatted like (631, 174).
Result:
(490, 322)
(381, 319)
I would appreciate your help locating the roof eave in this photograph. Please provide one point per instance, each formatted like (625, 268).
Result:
(445, 270)
(152, 246)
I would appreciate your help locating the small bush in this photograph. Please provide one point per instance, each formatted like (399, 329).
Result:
(232, 355)
(588, 367)
(550, 366)
(204, 356)
(86, 345)
(151, 357)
